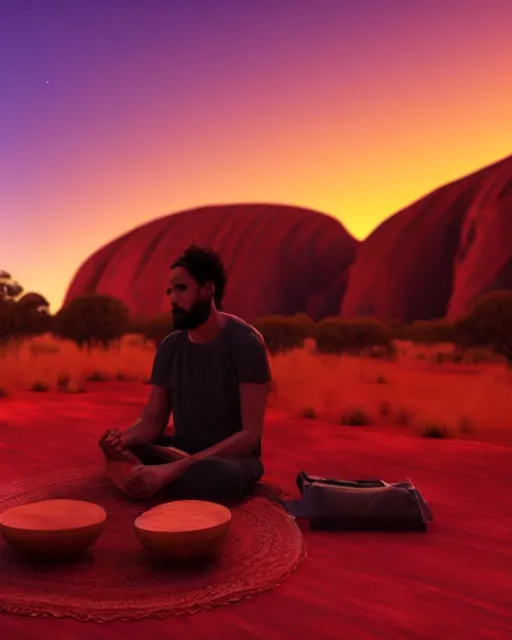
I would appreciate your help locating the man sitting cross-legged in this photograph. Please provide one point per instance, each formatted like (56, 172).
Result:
(213, 374)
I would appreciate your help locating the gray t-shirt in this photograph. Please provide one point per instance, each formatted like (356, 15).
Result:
(203, 382)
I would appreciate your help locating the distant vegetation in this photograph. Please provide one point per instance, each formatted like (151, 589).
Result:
(357, 374)
(22, 315)
(100, 320)
(92, 320)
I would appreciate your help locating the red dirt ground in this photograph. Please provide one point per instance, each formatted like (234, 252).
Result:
(453, 582)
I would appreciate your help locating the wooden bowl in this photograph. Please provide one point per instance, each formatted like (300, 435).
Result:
(184, 529)
(53, 528)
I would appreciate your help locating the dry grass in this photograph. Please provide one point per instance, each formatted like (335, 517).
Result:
(412, 395)
(423, 392)
(61, 366)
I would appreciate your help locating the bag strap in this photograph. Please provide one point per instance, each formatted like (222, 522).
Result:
(303, 478)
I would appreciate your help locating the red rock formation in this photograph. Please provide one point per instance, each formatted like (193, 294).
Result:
(279, 259)
(484, 260)
(439, 254)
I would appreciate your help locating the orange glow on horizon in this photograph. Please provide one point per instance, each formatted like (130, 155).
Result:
(354, 128)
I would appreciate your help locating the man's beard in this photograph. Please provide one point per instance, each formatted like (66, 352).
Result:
(197, 315)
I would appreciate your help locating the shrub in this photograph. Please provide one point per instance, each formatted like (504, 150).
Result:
(97, 376)
(8, 320)
(39, 386)
(430, 332)
(378, 353)
(385, 409)
(76, 387)
(33, 317)
(21, 315)
(309, 413)
(121, 376)
(336, 335)
(9, 288)
(466, 425)
(31, 322)
(488, 325)
(333, 336)
(435, 430)
(403, 418)
(92, 319)
(356, 418)
(441, 357)
(281, 333)
(63, 382)
(371, 333)
(153, 329)
(307, 326)
(34, 301)
(397, 329)
(477, 355)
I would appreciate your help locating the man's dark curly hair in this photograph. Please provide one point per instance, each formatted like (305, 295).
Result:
(204, 265)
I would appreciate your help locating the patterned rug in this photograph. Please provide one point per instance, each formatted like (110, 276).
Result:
(118, 580)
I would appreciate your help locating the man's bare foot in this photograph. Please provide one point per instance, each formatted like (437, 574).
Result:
(116, 455)
(112, 445)
(118, 473)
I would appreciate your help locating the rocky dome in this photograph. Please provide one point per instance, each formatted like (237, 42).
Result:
(437, 256)
(279, 260)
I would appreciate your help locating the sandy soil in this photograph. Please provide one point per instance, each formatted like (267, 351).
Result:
(422, 390)
(453, 582)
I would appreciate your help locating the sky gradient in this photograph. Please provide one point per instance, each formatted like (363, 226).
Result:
(113, 113)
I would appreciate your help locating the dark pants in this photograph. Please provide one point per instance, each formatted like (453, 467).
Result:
(222, 480)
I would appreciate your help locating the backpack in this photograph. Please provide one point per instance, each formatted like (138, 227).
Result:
(359, 505)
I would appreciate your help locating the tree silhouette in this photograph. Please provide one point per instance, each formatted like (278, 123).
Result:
(92, 319)
(21, 315)
(34, 302)
(8, 321)
(9, 288)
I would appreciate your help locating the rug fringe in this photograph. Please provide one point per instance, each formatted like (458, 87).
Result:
(157, 614)
(272, 494)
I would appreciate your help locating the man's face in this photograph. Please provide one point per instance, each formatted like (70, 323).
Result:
(191, 304)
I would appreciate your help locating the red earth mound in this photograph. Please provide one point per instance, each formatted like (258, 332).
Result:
(452, 582)
(440, 254)
(279, 259)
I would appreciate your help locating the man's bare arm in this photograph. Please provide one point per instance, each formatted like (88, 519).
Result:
(253, 403)
(253, 399)
(153, 420)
